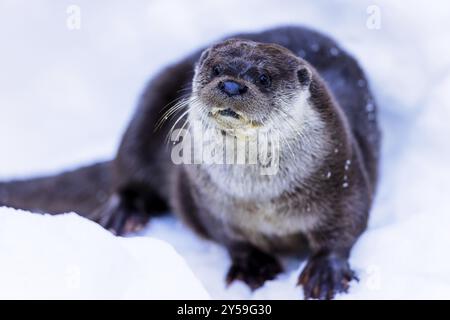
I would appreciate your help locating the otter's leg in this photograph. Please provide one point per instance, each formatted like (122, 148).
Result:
(327, 271)
(251, 266)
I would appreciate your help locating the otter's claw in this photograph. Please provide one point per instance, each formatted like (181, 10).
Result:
(254, 269)
(326, 276)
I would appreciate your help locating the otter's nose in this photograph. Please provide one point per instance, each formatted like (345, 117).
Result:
(232, 88)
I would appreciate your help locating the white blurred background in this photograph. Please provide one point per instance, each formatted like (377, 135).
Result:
(67, 95)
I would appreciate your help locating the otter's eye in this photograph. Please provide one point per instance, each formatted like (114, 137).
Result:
(264, 80)
(217, 70)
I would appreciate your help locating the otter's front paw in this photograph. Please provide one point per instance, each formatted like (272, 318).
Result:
(121, 222)
(119, 219)
(324, 276)
(254, 268)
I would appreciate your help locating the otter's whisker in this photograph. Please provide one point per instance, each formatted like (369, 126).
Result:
(172, 111)
(176, 122)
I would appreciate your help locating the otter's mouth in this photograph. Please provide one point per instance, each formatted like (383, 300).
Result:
(229, 113)
(226, 118)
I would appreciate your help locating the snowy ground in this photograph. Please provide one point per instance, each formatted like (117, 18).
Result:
(66, 97)
(68, 257)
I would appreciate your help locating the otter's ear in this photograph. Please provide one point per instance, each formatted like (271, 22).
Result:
(304, 75)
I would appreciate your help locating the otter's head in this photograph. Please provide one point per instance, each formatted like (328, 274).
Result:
(241, 84)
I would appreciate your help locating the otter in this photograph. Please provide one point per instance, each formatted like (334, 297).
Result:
(312, 100)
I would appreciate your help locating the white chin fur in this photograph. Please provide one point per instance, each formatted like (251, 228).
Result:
(302, 140)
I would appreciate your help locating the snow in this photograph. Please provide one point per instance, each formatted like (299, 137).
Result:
(69, 257)
(66, 97)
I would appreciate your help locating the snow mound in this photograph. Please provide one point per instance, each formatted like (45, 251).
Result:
(69, 257)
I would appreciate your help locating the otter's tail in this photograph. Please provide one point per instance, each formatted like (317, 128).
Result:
(82, 191)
